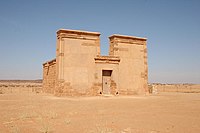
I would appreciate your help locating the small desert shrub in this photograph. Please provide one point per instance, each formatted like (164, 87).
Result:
(13, 128)
(46, 125)
(104, 129)
(46, 120)
(1, 91)
(4, 85)
(67, 121)
(30, 114)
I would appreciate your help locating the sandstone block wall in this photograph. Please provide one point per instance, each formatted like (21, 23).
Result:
(75, 55)
(49, 76)
(133, 73)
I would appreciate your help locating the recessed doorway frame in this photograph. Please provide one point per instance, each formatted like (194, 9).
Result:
(106, 81)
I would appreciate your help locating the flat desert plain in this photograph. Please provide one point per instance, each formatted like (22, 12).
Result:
(166, 112)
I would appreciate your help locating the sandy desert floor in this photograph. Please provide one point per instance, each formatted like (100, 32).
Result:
(161, 113)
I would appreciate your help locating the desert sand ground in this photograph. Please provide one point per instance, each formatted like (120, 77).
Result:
(31, 112)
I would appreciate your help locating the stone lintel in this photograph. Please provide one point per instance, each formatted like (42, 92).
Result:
(51, 62)
(127, 37)
(68, 31)
(107, 59)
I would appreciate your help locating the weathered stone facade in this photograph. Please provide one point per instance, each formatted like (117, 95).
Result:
(49, 76)
(80, 70)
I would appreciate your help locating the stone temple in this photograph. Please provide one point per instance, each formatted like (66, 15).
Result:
(80, 70)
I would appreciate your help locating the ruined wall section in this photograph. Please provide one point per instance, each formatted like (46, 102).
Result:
(75, 55)
(133, 63)
(49, 76)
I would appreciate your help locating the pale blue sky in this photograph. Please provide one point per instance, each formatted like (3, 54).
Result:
(28, 33)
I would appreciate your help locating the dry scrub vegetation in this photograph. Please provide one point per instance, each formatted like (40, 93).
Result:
(26, 109)
(20, 86)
